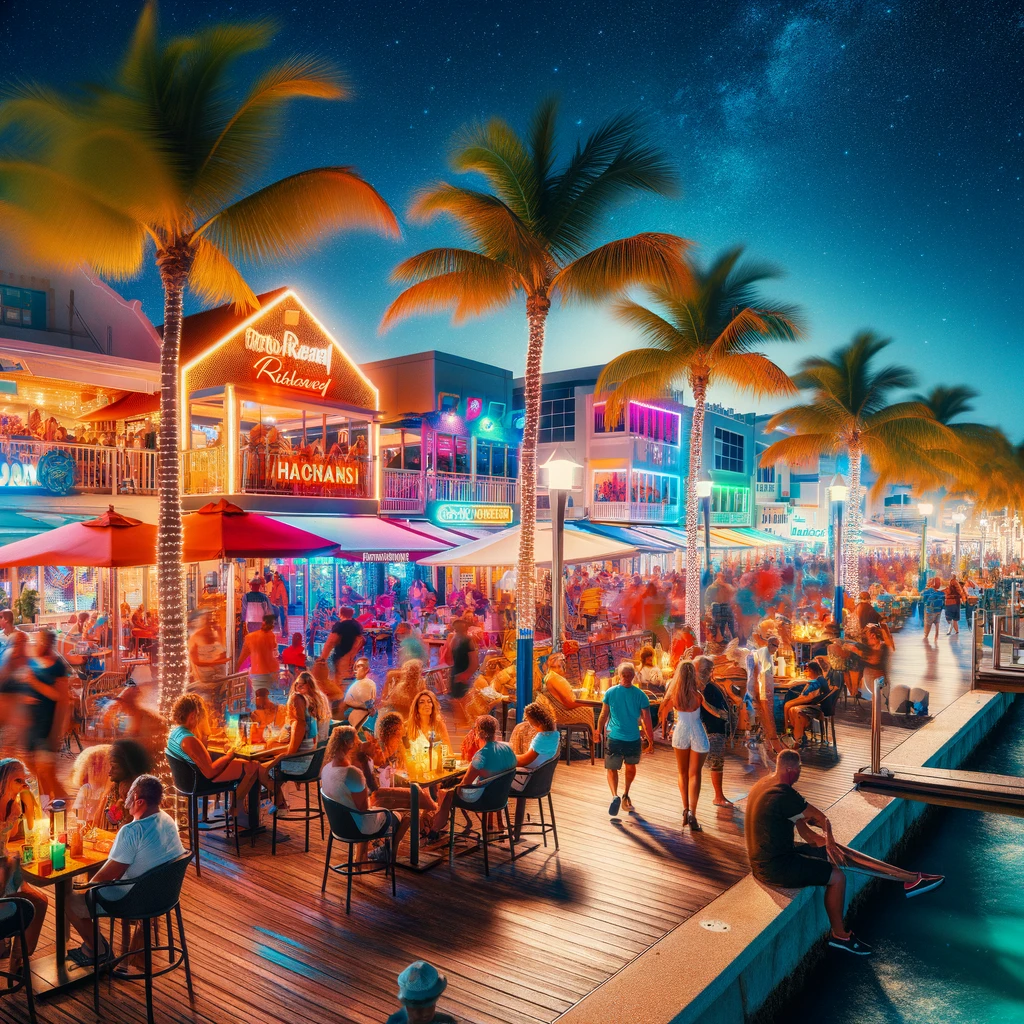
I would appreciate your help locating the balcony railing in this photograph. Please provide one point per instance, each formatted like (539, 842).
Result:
(663, 457)
(633, 512)
(408, 490)
(98, 469)
(730, 518)
(204, 471)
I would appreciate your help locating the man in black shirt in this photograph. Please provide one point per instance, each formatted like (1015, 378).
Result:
(344, 643)
(465, 662)
(774, 807)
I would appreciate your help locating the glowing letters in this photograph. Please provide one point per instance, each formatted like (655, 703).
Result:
(295, 469)
(274, 351)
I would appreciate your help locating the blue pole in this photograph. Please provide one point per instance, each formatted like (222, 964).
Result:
(524, 671)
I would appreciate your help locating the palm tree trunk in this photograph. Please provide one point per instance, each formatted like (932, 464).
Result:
(693, 530)
(852, 531)
(174, 263)
(537, 307)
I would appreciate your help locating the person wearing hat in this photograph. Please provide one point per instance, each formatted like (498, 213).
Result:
(255, 605)
(419, 987)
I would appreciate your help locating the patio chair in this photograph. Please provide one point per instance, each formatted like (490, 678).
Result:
(344, 827)
(538, 787)
(493, 799)
(192, 784)
(309, 813)
(16, 914)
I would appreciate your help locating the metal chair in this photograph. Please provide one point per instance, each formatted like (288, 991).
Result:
(824, 713)
(344, 826)
(153, 895)
(309, 813)
(493, 799)
(192, 784)
(537, 786)
(569, 728)
(16, 914)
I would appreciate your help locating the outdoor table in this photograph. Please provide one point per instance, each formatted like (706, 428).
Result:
(53, 976)
(418, 779)
(249, 816)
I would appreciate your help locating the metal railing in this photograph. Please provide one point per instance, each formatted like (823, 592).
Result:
(98, 469)
(408, 490)
(634, 512)
(730, 518)
(204, 471)
(402, 490)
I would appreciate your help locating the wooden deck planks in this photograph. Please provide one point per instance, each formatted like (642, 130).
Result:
(518, 948)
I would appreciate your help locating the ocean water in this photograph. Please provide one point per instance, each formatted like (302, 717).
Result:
(953, 956)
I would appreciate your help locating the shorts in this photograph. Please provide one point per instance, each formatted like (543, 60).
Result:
(806, 866)
(263, 679)
(931, 619)
(716, 744)
(618, 752)
(689, 733)
(952, 613)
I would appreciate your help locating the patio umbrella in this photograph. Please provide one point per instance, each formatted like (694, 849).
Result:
(109, 542)
(224, 531)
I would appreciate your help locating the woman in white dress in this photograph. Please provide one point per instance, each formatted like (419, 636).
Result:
(689, 737)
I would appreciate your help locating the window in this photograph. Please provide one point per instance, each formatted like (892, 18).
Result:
(609, 486)
(765, 474)
(23, 306)
(557, 415)
(600, 427)
(654, 423)
(654, 489)
(728, 450)
(729, 499)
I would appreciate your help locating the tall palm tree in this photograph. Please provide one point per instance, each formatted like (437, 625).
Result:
(704, 332)
(850, 409)
(528, 239)
(160, 161)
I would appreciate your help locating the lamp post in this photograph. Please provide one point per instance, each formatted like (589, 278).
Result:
(984, 544)
(958, 518)
(704, 496)
(925, 508)
(838, 493)
(561, 468)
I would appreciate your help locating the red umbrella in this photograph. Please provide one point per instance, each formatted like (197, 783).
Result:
(223, 531)
(111, 541)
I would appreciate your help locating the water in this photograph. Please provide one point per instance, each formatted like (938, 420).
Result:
(955, 956)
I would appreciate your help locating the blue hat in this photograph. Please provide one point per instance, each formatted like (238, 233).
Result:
(420, 982)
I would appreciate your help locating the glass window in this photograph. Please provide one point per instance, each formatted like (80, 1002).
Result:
(445, 453)
(23, 306)
(610, 486)
(728, 450)
(461, 455)
(765, 474)
(557, 415)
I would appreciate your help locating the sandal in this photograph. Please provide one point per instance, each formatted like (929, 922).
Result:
(693, 823)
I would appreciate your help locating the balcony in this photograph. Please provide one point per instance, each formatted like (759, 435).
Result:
(730, 518)
(97, 469)
(633, 512)
(766, 493)
(407, 491)
(655, 455)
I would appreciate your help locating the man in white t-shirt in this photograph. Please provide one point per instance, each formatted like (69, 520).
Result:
(761, 689)
(147, 841)
(361, 694)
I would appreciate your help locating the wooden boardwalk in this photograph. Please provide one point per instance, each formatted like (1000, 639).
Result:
(520, 947)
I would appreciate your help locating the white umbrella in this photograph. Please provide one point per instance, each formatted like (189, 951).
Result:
(502, 548)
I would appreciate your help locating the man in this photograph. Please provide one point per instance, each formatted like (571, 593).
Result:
(344, 644)
(624, 709)
(933, 600)
(465, 662)
(6, 628)
(761, 690)
(279, 601)
(360, 696)
(718, 600)
(266, 712)
(409, 644)
(864, 611)
(419, 987)
(811, 695)
(590, 601)
(254, 605)
(147, 841)
(774, 807)
(260, 650)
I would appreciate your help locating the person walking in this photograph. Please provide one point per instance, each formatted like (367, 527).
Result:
(624, 710)
(689, 737)
(774, 809)
(259, 649)
(933, 601)
(956, 596)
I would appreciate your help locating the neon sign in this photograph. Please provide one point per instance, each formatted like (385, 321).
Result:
(17, 474)
(295, 469)
(385, 556)
(474, 407)
(272, 365)
(448, 513)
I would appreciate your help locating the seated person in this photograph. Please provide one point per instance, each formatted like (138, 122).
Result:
(493, 758)
(294, 656)
(810, 695)
(191, 720)
(648, 675)
(147, 841)
(91, 776)
(543, 748)
(774, 807)
(404, 686)
(360, 696)
(424, 720)
(127, 760)
(344, 783)
(264, 713)
(557, 693)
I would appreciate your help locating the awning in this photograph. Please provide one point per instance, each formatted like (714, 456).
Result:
(626, 535)
(747, 536)
(134, 405)
(17, 526)
(874, 535)
(445, 534)
(502, 548)
(369, 539)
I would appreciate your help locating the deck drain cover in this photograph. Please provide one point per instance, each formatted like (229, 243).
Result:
(712, 925)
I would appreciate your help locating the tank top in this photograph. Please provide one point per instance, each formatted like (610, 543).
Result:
(174, 738)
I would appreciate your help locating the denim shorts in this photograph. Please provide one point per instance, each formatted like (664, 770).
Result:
(618, 752)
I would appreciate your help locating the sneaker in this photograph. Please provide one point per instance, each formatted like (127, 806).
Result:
(924, 884)
(851, 945)
(627, 804)
(378, 854)
(613, 807)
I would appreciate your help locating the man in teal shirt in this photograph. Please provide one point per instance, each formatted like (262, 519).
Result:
(625, 708)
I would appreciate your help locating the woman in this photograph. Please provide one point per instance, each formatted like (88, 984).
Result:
(15, 672)
(191, 721)
(16, 801)
(955, 597)
(689, 737)
(344, 783)
(48, 704)
(425, 723)
(648, 676)
(208, 657)
(543, 748)
(557, 694)
(404, 686)
(714, 714)
(874, 653)
(127, 759)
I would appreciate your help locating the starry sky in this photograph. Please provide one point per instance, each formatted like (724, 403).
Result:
(873, 150)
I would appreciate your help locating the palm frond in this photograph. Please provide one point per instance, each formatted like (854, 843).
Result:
(285, 218)
(657, 373)
(661, 333)
(494, 150)
(216, 280)
(466, 293)
(753, 372)
(799, 450)
(638, 387)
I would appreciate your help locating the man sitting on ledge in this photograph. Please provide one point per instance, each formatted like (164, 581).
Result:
(774, 807)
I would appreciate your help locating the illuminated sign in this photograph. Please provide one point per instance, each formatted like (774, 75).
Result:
(474, 407)
(275, 351)
(54, 471)
(451, 513)
(385, 556)
(17, 474)
(298, 469)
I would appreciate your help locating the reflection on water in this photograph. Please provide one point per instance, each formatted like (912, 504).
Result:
(955, 956)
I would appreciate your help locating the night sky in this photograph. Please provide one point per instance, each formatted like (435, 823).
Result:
(874, 150)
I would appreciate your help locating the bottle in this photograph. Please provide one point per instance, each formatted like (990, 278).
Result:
(57, 808)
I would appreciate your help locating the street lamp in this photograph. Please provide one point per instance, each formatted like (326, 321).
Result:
(925, 508)
(838, 493)
(983, 523)
(958, 521)
(561, 468)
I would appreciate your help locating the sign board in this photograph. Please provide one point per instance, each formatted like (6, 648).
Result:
(458, 513)
(297, 468)
(53, 471)
(385, 556)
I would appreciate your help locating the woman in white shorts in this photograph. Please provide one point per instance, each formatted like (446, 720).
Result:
(689, 738)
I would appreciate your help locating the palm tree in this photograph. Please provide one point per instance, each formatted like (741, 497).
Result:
(160, 160)
(705, 334)
(528, 235)
(850, 410)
